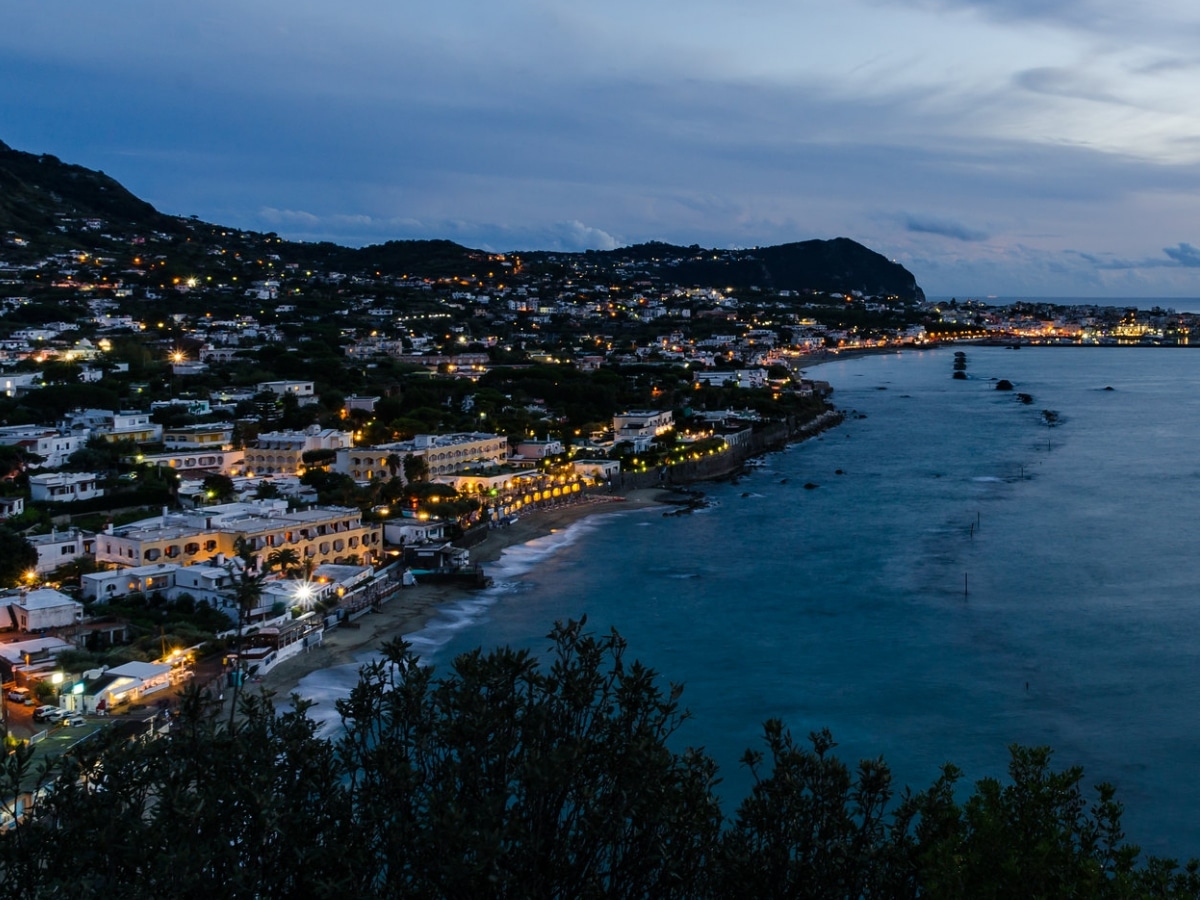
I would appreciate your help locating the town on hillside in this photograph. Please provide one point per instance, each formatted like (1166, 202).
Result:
(218, 443)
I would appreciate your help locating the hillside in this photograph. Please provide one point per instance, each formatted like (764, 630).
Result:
(48, 202)
(47, 205)
(834, 266)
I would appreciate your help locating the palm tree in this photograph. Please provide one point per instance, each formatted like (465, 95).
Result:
(247, 593)
(416, 468)
(393, 463)
(286, 560)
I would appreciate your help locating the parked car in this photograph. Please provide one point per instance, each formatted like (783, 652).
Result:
(19, 695)
(39, 714)
(54, 715)
(74, 720)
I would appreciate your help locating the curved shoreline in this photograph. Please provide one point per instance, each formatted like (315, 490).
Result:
(410, 609)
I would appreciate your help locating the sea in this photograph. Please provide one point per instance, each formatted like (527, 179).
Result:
(943, 575)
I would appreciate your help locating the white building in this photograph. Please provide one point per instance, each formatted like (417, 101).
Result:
(113, 426)
(130, 681)
(21, 659)
(642, 424)
(406, 532)
(63, 487)
(61, 547)
(300, 389)
(41, 609)
(742, 378)
(54, 447)
(21, 383)
(598, 469)
(121, 582)
(212, 584)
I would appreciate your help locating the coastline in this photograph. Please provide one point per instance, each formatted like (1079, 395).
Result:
(409, 609)
(830, 356)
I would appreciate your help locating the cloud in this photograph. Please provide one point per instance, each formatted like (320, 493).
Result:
(1102, 17)
(1061, 82)
(289, 217)
(1184, 255)
(943, 227)
(1161, 66)
(1181, 256)
(360, 230)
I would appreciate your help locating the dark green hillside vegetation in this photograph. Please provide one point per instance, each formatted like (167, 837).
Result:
(420, 258)
(510, 776)
(36, 192)
(838, 265)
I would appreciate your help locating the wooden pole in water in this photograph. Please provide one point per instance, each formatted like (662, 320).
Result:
(965, 591)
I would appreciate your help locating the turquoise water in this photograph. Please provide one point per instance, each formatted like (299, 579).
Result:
(844, 607)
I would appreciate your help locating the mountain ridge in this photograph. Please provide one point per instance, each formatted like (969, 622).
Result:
(47, 205)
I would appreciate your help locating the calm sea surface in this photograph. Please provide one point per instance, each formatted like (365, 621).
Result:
(844, 607)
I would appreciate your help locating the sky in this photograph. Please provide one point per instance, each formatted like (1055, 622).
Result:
(992, 147)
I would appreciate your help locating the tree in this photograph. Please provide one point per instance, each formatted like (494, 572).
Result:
(1035, 837)
(218, 487)
(14, 460)
(507, 775)
(286, 560)
(808, 828)
(17, 557)
(393, 462)
(266, 490)
(97, 455)
(511, 775)
(252, 812)
(416, 468)
(248, 584)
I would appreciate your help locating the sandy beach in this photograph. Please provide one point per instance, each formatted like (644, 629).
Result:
(409, 609)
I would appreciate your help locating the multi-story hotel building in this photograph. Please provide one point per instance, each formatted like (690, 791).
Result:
(282, 452)
(198, 437)
(443, 453)
(208, 534)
